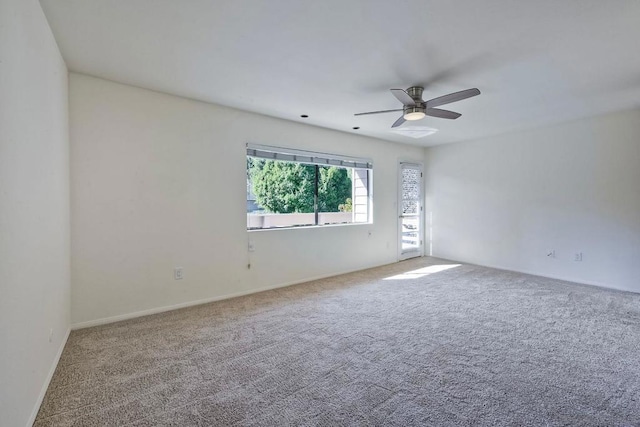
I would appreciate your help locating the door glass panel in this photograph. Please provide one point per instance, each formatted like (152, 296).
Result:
(410, 239)
(410, 232)
(410, 184)
(409, 207)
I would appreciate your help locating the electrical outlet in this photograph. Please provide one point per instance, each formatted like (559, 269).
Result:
(577, 257)
(51, 335)
(178, 274)
(551, 253)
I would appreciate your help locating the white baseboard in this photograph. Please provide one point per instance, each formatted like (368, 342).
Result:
(45, 386)
(548, 276)
(156, 310)
(127, 316)
(566, 279)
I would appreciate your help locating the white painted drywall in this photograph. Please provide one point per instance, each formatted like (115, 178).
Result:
(34, 208)
(508, 200)
(159, 181)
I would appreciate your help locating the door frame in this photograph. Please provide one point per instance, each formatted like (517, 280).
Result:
(420, 252)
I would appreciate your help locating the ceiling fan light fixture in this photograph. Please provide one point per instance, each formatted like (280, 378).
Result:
(414, 115)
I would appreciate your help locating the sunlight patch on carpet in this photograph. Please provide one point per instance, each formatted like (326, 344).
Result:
(421, 272)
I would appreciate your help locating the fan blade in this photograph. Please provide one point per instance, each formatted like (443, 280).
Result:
(377, 112)
(452, 97)
(443, 114)
(403, 97)
(398, 122)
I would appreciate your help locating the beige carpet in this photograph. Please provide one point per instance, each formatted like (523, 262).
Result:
(465, 345)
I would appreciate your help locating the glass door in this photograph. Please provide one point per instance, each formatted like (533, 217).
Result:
(410, 211)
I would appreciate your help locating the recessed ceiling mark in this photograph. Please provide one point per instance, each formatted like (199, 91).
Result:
(414, 131)
(304, 116)
(356, 127)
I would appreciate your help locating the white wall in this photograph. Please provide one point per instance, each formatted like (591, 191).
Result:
(34, 208)
(158, 181)
(505, 201)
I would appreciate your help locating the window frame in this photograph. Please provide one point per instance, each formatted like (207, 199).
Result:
(318, 160)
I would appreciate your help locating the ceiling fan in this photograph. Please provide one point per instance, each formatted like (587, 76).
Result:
(415, 108)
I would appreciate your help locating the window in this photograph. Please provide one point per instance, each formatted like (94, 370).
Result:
(294, 188)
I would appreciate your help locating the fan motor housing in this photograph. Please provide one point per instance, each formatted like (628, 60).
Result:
(415, 92)
(418, 108)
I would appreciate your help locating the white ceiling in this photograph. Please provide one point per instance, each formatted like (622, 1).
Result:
(536, 62)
